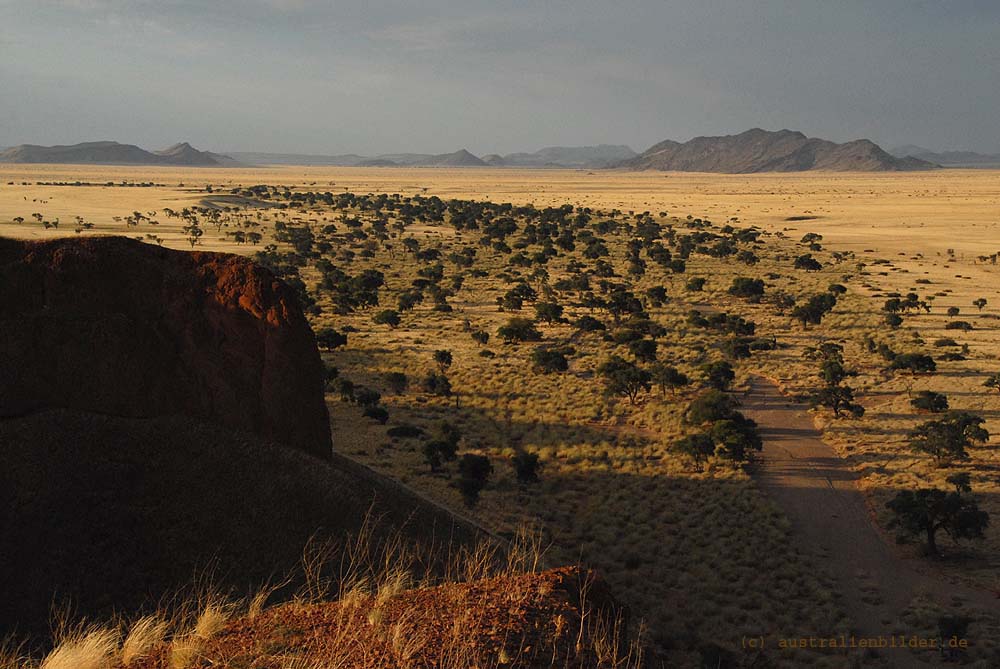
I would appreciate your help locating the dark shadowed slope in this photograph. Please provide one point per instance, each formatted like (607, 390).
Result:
(163, 412)
(115, 513)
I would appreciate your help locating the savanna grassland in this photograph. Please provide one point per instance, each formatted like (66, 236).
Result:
(415, 279)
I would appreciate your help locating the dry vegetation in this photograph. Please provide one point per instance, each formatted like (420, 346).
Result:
(490, 608)
(699, 554)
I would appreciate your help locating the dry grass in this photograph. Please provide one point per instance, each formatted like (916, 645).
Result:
(675, 544)
(89, 649)
(397, 627)
(144, 635)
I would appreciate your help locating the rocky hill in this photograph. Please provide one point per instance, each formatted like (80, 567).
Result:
(460, 158)
(185, 154)
(763, 151)
(114, 153)
(114, 326)
(162, 415)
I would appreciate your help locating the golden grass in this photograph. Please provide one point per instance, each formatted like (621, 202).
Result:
(89, 649)
(143, 636)
(402, 636)
(672, 541)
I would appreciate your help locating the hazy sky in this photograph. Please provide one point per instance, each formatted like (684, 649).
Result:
(495, 76)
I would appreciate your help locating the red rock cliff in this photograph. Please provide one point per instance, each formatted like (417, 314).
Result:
(111, 325)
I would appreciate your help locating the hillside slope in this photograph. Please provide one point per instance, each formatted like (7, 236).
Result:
(114, 513)
(162, 414)
(763, 151)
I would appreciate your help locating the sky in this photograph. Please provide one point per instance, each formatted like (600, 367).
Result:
(433, 76)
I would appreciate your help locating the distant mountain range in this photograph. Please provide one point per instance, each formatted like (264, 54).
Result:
(764, 151)
(114, 153)
(948, 158)
(601, 155)
(552, 156)
(751, 151)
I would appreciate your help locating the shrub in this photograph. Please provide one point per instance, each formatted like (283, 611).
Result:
(666, 376)
(718, 375)
(589, 324)
(519, 330)
(548, 360)
(549, 312)
(814, 310)
(345, 388)
(474, 471)
(526, 466)
(376, 412)
(644, 350)
(388, 317)
(397, 382)
(437, 384)
(329, 339)
(748, 289)
(443, 359)
(958, 325)
(913, 362)
(948, 438)
(927, 400)
(710, 406)
(622, 377)
(928, 510)
(808, 263)
(893, 320)
(736, 438)
(695, 284)
(698, 447)
(405, 431)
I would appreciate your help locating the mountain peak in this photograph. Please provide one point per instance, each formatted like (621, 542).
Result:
(759, 150)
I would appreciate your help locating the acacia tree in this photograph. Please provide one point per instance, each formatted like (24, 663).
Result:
(698, 447)
(947, 439)
(526, 466)
(928, 510)
(718, 375)
(622, 377)
(443, 359)
(993, 382)
(834, 394)
(474, 471)
(665, 376)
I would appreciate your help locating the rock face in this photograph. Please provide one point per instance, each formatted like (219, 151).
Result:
(762, 151)
(114, 326)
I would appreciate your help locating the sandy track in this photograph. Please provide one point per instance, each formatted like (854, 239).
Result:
(816, 490)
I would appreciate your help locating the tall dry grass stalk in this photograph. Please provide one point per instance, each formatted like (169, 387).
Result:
(13, 654)
(95, 648)
(143, 636)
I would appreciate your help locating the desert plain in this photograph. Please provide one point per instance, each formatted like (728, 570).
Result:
(684, 547)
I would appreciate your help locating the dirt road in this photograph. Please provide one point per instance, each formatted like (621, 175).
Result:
(817, 491)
